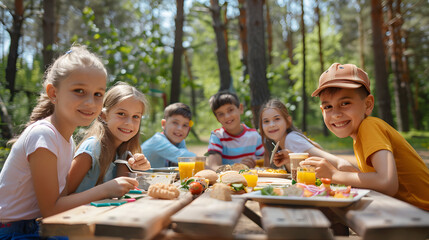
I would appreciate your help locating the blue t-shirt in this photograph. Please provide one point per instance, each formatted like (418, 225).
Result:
(91, 146)
(162, 153)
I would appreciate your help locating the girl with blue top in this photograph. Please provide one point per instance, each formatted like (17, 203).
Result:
(276, 126)
(112, 135)
(33, 179)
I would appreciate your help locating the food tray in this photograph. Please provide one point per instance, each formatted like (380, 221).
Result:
(319, 201)
(275, 175)
(164, 169)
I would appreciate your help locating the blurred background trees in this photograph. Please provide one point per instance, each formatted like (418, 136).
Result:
(187, 50)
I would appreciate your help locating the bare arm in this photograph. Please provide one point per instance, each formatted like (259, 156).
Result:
(384, 179)
(339, 163)
(214, 161)
(43, 166)
(250, 162)
(79, 167)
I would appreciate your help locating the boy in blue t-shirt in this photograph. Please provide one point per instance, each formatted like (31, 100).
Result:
(234, 142)
(163, 148)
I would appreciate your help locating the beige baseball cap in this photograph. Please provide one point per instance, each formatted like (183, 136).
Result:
(342, 76)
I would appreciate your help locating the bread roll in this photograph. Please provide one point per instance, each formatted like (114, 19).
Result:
(208, 174)
(221, 191)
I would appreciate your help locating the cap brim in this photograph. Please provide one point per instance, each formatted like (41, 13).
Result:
(338, 85)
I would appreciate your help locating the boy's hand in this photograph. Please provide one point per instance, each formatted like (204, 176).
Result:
(250, 162)
(322, 167)
(139, 162)
(119, 186)
(282, 158)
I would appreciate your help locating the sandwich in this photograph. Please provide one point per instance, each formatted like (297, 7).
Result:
(209, 175)
(235, 181)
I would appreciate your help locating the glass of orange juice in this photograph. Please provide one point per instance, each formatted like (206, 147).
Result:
(251, 178)
(199, 164)
(186, 167)
(306, 175)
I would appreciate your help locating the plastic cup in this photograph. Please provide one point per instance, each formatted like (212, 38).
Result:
(186, 167)
(306, 175)
(200, 163)
(295, 158)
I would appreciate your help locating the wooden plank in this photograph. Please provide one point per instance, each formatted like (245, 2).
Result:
(75, 222)
(207, 217)
(142, 219)
(379, 216)
(294, 223)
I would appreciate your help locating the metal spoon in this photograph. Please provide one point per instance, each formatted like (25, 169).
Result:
(127, 164)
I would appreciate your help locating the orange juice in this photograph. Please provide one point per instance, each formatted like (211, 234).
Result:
(199, 165)
(251, 178)
(186, 169)
(306, 176)
(260, 162)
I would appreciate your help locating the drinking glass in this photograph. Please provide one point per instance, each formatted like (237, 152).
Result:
(295, 158)
(306, 175)
(200, 163)
(186, 167)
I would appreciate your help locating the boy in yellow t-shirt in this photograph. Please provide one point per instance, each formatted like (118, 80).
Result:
(387, 162)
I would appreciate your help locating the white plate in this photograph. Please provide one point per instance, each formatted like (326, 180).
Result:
(312, 201)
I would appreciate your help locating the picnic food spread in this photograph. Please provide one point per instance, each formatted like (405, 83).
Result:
(303, 190)
(163, 191)
(236, 182)
(209, 175)
(221, 191)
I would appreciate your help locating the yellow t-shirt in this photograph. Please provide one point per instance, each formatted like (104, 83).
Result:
(413, 175)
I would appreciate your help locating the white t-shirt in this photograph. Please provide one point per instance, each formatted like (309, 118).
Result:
(17, 196)
(297, 143)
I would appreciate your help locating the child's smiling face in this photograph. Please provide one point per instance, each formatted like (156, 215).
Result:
(229, 116)
(176, 128)
(274, 124)
(344, 110)
(123, 119)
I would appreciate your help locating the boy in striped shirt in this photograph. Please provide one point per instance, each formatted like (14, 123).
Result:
(234, 142)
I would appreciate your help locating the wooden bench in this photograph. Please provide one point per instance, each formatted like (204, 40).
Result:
(379, 216)
(207, 217)
(295, 223)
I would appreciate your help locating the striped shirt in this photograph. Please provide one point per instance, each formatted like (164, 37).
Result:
(234, 148)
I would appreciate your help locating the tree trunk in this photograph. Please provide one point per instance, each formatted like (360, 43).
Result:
(191, 80)
(48, 31)
(381, 76)
(259, 92)
(406, 80)
(269, 32)
(177, 54)
(6, 122)
(322, 64)
(15, 35)
(193, 95)
(289, 37)
(361, 35)
(304, 92)
(395, 23)
(243, 37)
(221, 50)
(225, 29)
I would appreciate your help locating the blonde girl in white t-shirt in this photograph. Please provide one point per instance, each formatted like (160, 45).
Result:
(33, 179)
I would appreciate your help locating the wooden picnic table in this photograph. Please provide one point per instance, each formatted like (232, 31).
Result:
(375, 216)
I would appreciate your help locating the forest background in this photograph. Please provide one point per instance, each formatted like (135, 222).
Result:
(187, 50)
